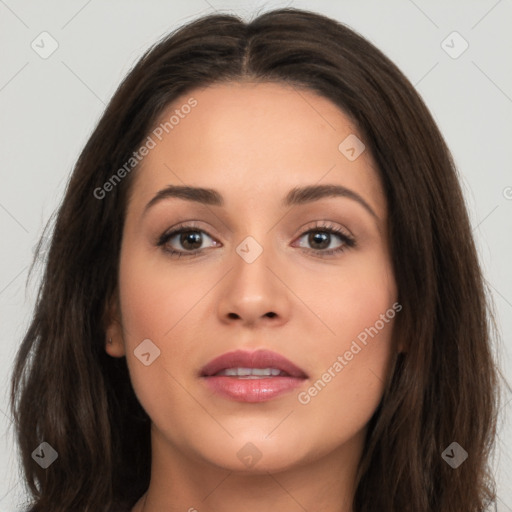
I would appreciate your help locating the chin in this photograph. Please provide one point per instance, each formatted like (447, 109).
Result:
(254, 454)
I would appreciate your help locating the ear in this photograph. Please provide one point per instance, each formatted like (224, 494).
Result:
(401, 349)
(114, 341)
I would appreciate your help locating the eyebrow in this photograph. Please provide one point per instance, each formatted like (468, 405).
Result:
(296, 196)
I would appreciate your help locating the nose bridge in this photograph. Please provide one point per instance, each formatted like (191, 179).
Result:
(250, 272)
(252, 290)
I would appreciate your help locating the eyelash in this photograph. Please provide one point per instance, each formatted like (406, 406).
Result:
(348, 241)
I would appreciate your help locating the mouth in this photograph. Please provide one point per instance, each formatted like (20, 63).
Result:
(256, 376)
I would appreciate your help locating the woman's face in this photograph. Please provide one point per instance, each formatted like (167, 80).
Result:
(259, 269)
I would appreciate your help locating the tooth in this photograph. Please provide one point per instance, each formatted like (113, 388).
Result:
(254, 373)
(262, 371)
(230, 372)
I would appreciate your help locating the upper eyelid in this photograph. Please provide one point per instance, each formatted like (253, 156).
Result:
(191, 225)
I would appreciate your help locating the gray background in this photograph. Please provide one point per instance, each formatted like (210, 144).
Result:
(50, 106)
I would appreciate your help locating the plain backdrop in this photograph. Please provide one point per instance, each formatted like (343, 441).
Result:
(49, 107)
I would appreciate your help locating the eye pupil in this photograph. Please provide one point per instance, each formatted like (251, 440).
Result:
(191, 237)
(319, 238)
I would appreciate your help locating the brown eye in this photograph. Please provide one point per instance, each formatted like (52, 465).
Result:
(185, 241)
(190, 240)
(320, 240)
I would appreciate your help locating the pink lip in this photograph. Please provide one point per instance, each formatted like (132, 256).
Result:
(252, 390)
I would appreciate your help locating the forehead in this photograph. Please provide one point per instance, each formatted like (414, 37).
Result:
(254, 139)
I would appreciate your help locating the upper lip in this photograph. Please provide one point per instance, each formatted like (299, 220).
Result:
(255, 359)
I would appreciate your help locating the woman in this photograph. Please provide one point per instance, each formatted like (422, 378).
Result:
(193, 348)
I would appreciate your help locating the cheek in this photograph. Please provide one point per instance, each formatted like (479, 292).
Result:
(349, 303)
(154, 299)
(351, 362)
(157, 306)
(348, 386)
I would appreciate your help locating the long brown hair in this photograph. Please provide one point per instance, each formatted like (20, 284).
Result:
(68, 392)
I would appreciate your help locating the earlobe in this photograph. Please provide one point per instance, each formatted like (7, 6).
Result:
(114, 345)
(401, 349)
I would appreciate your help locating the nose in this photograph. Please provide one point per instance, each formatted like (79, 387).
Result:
(254, 292)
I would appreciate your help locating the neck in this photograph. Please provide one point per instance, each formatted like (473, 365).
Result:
(183, 482)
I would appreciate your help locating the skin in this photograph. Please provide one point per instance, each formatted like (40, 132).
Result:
(253, 142)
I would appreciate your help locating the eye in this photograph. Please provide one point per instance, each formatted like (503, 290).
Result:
(321, 237)
(188, 240)
(185, 240)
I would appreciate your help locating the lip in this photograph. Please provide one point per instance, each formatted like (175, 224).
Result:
(252, 390)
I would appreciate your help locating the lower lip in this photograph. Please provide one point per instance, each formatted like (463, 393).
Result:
(252, 390)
